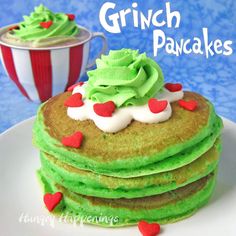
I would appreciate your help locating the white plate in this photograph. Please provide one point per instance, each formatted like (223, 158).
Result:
(22, 212)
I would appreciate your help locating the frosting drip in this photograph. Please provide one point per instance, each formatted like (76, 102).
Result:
(125, 77)
(123, 116)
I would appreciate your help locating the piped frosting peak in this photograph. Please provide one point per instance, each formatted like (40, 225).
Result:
(43, 25)
(125, 77)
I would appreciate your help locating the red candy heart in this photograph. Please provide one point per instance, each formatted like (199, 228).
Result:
(149, 229)
(156, 106)
(104, 109)
(70, 89)
(188, 105)
(15, 27)
(73, 140)
(46, 24)
(74, 100)
(52, 200)
(173, 87)
(71, 16)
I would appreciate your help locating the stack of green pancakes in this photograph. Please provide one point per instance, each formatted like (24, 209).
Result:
(160, 172)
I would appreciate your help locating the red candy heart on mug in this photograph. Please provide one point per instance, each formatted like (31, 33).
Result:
(173, 87)
(104, 109)
(52, 200)
(156, 106)
(15, 27)
(71, 17)
(70, 89)
(46, 24)
(74, 100)
(149, 229)
(188, 105)
(73, 140)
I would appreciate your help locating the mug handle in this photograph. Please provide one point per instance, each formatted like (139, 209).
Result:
(103, 50)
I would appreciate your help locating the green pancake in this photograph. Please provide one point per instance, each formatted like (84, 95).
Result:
(89, 183)
(158, 172)
(164, 208)
(184, 137)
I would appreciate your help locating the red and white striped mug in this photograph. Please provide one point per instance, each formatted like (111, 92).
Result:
(41, 73)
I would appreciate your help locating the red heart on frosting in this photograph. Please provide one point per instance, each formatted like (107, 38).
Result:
(156, 106)
(104, 109)
(15, 27)
(74, 100)
(46, 24)
(70, 89)
(173, 87)
(52, 200)
(73, 140)
(71, 16)
(149, 229)
(188, 105)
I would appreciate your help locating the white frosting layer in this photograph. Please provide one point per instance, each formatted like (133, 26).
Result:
(122, 117)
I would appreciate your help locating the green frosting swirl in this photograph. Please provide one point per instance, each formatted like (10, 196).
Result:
(124, 77)
(30, 29)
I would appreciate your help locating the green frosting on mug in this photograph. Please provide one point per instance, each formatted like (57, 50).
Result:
(30, 29)
(124, 77)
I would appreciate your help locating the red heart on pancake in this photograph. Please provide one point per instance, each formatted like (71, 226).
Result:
(173, 87)
(149, 229)
(188, 105)
(52, 200)
(73, 140)
(156, 106)
(74, 85)
(74, 100)
(71, 16)
(46, 24)
(104, 109)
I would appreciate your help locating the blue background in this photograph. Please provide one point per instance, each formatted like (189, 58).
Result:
(213, 77)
